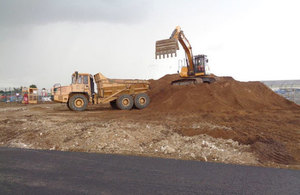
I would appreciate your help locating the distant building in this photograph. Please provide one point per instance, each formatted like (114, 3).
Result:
(290, 89)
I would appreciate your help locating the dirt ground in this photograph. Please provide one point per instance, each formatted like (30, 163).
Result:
(238, 137)
(226, 121)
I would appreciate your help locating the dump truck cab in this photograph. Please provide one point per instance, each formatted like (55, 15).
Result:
(82, 86)
(82, 83)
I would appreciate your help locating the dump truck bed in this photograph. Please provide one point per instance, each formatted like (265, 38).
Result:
(111, 89)
(100, 78)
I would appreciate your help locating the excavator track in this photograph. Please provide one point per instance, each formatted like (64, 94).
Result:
(193, 81)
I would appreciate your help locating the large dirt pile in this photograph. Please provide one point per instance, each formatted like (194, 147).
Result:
(226, 94)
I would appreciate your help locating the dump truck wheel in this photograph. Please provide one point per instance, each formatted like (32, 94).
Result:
(68, 105)
(113, 104)
(78, 102)
(125, 102)
(141, 100)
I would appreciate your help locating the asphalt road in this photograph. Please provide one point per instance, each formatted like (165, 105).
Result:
(54, 172)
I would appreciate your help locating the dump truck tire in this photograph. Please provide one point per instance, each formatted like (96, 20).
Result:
(68, 105)
(141, 100)
(113, 104)
(78, 102)
(125, 102)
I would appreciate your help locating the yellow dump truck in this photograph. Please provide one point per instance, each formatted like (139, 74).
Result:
(120, 93)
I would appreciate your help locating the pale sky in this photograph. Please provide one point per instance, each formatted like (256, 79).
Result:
(43, 42)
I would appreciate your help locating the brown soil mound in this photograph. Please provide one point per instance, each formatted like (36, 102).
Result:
(226, 94)
(255, 114)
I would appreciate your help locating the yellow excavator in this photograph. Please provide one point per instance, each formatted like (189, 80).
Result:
(196, 69)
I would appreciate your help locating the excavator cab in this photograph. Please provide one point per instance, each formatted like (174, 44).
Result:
(200, 67)
(200, 62)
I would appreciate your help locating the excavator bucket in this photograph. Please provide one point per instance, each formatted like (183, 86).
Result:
(166, 47)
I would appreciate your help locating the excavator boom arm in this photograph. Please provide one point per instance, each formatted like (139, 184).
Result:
(188, 51)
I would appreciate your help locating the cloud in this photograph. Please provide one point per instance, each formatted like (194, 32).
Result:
(37, 12)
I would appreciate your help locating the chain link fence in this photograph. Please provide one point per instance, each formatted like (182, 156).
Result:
(13, 94)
